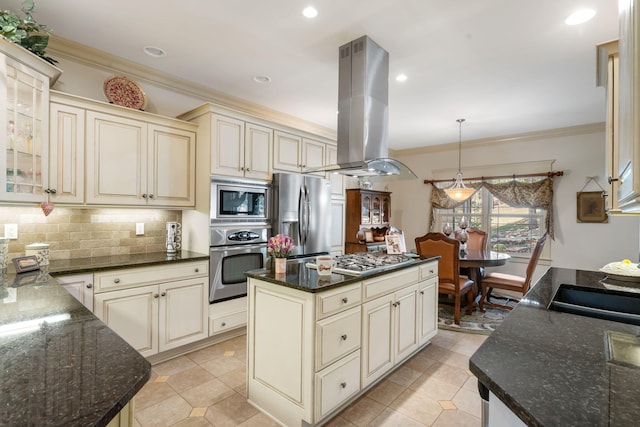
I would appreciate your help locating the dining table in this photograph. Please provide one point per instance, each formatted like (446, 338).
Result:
(475, 260)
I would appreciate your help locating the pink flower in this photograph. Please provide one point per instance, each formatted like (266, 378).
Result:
(280, 246)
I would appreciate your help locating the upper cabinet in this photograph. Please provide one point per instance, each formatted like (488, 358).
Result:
(24, 119)
(623, 108)
(240, 149)
(293, 153)
(66, 152)
(136, 162)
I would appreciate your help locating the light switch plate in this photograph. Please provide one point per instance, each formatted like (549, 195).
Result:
(139, 228)
(11, 231)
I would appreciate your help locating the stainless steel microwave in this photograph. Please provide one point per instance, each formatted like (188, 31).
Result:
(239, 201)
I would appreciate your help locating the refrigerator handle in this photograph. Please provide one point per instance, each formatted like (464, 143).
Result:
(301, 224)
(307, 208)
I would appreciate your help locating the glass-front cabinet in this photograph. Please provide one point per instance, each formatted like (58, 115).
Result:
(24, 119)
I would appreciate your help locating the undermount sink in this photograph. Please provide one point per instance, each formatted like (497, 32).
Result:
(605, 304)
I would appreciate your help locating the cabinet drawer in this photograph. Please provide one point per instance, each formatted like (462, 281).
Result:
(429, 270)
(227, 322)
(334, 301)
(132, 277)
(387, 283)
(336, 384)
(336, 336)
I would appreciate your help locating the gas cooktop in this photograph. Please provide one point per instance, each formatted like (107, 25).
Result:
(367, 262)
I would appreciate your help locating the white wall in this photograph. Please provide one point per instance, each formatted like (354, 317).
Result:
(576, 245)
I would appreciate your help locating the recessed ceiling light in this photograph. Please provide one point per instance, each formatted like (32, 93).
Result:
(310, 12)
(154, 51)
(580, 16)
(262, 79)
(401, 77)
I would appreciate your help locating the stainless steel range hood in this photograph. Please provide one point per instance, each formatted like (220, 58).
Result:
(363, 114)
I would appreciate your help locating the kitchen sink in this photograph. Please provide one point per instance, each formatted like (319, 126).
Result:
(605, 304)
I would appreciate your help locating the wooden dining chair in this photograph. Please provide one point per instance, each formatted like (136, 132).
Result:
(449, 280)
(477, 239)
(511, 282)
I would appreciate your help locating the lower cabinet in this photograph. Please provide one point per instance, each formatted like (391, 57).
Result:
(154, 318)
(310, 354)
(80, 286)
(227, 315)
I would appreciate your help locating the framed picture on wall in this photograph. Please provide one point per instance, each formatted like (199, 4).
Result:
(592, 207)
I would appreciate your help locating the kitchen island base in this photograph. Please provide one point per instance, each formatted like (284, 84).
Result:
(313, 352)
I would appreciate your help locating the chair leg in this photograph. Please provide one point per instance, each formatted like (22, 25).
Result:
(485, 295)
(470, 301)
(456, 310)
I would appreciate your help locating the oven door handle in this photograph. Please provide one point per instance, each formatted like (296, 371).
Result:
(237, 247)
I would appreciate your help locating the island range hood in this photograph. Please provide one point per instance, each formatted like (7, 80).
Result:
(363, 114)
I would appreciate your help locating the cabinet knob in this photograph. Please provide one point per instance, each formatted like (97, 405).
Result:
(144, 196)
(151, 196)
(431, 271)
(53, 191)
(89, 285)
(241, 168)
(345, 300)
(611, 179)
(344, 337)
(248, 170)
(223, 324)
(421, 292)
(164, 294)
(156, 295)
(343, 385)
(197, 270)
(116, 280)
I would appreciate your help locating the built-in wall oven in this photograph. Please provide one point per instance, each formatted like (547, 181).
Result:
(240, 228)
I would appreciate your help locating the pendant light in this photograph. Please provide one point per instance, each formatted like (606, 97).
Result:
(458, 191)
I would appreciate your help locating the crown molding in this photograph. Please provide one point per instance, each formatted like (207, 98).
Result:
(94, 58)
(508, 139)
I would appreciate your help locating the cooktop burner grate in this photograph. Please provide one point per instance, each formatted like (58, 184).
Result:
(366, 261)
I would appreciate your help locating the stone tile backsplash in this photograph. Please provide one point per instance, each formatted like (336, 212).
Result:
(82, 233)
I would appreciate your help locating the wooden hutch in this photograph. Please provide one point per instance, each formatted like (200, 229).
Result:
(366, 210)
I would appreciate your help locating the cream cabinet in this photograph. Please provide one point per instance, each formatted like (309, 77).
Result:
(24, 123)
(339, 342)
(134, 162)
(294, 153)
(66, 152)
(157, 308)
(621, 60)
(337, 226)
(80, 286)
(337, 180)
(427, 302)
(240, 149)
(227, 315)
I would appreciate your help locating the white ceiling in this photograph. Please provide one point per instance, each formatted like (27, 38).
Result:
(507, 66)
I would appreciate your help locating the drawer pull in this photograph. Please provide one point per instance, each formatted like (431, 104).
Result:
(345, 300)
(197, 270)
(343, 385)
(116, 280)
(344, 337)
(89, 285)
(431, 271)
(223, 324)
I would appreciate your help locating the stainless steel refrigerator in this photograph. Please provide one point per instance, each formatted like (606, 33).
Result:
(302, 210)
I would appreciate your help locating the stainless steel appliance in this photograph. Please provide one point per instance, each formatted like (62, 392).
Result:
(366, 262)
(233, 251)
(302, 211)
(236, 201)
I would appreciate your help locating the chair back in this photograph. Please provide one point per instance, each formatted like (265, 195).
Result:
(533, 262)
(437, 244)
(477, 239)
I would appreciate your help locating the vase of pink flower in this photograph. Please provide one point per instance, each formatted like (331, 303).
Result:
(280, 247)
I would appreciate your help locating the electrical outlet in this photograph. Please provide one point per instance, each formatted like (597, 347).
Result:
(11, 231)
(139, 228)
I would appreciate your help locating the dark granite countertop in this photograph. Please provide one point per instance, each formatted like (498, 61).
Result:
(90, 265)
(59, 364)
(299, 276)
(551, 368)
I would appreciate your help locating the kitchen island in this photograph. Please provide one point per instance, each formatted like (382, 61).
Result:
(547, 368)
(316, 343)
(59, 364)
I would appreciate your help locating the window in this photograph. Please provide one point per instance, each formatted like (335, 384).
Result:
(511, 230)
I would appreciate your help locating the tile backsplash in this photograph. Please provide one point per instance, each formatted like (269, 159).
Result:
(82, 233)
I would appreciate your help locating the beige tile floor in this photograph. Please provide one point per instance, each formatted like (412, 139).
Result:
(207, 388)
